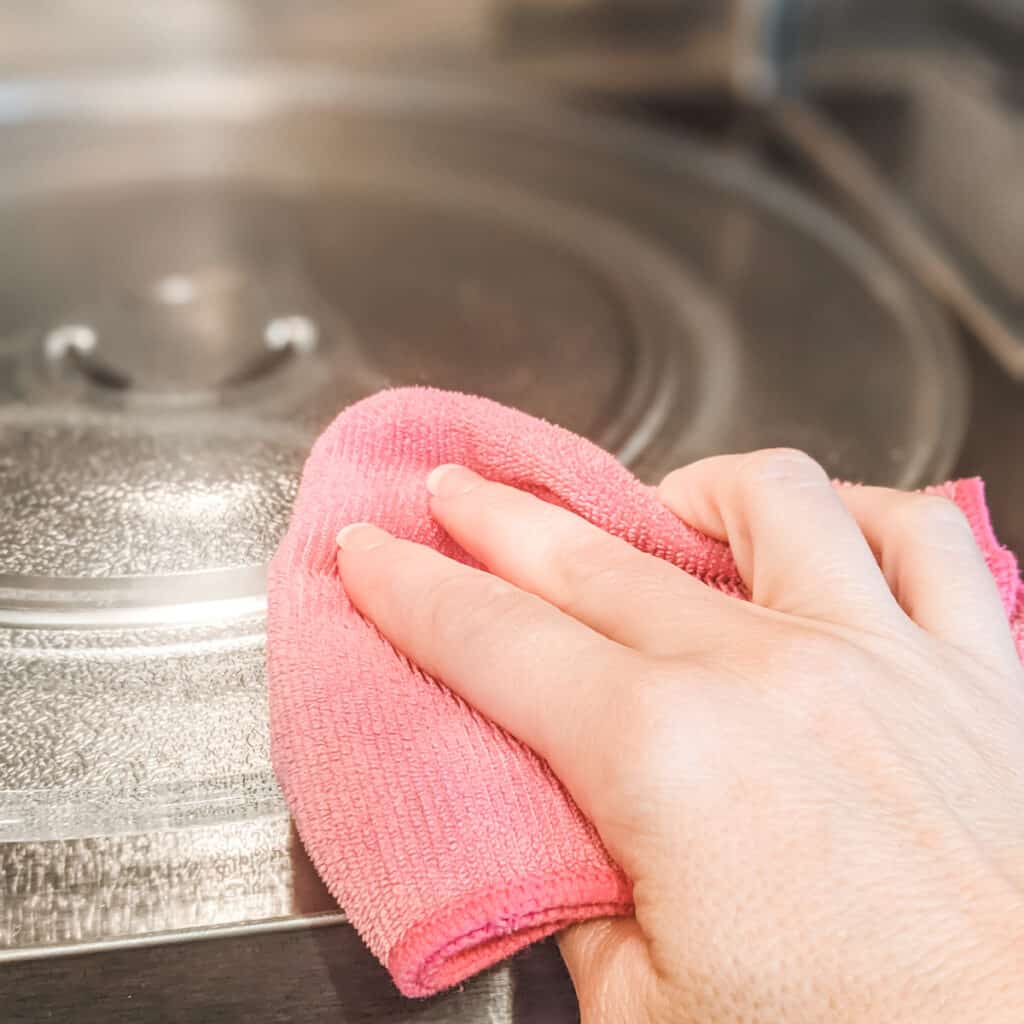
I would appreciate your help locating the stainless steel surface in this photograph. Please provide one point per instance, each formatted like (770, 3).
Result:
(324, 975)
(1003, 15)
(622, 46)
(318, 976)
(737, 47)
(199, 271)
(992, 446)
(84, 35)
(878, 126)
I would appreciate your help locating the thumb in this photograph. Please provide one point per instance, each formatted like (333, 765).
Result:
(610, 967)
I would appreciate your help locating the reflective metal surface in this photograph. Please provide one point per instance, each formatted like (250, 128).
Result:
(622, 46)
(91, 34)
(307, 976)
(879, 131)
(199, 271)
(629, 47)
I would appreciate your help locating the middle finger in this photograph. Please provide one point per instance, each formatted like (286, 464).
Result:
(634, 598)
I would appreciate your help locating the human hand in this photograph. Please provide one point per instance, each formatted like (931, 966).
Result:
(818, 795)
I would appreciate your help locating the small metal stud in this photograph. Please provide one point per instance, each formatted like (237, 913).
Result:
(298, 332)
(63, 339)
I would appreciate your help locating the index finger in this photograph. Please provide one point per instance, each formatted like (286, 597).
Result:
(542, 675)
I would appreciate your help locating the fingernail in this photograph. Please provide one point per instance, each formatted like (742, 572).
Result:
(362, 537)
(448, 481)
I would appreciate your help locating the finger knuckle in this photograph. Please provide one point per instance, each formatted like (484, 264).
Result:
(586, 564)
(670, 742)
(929, 513)
(640, 753)
(458, 605)
(665, 694)
(782, 465)
(783, 662)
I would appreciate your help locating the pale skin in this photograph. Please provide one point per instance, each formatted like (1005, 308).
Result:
(818, 796)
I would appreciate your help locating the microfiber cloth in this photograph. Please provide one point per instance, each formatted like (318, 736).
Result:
(448, 843)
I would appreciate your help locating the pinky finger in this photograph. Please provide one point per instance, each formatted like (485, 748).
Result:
(934, 567)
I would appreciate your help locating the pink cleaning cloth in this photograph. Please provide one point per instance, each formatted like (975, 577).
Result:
(448, 843)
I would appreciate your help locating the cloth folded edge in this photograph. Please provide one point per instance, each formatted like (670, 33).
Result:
(494, 924)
